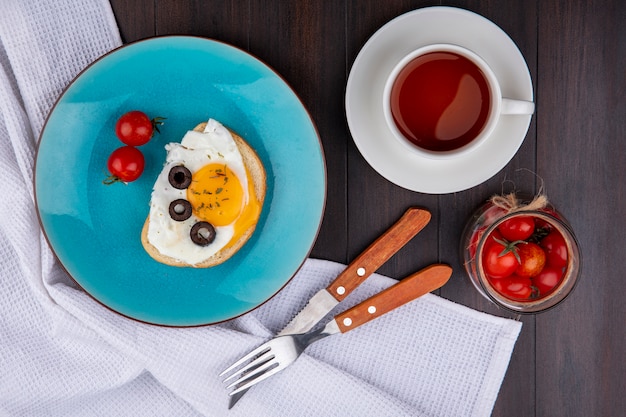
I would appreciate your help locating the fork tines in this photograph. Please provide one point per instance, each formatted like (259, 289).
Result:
(257, 370)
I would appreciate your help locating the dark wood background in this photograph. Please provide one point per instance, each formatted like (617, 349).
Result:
(570, 361)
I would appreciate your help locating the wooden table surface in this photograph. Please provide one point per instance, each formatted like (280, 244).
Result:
(569, 361)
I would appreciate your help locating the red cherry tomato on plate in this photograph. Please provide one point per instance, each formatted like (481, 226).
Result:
(125, 164)
(135, 128)
(514, 287)
(499, 259)
(532, 259)
(547, 280)
(517, 228)
(556, 249)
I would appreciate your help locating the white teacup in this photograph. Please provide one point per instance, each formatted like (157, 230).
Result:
(443, 101)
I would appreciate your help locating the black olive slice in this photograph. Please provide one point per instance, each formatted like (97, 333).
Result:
(202, 233)
(180, 210)
(179, 177)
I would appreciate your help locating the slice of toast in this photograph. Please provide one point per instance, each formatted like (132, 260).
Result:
(256, 172)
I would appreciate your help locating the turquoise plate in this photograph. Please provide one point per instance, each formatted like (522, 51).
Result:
(95, 230)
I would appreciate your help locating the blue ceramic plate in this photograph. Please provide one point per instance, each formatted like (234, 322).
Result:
(95, 230)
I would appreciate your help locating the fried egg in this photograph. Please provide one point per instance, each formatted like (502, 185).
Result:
(203, 200)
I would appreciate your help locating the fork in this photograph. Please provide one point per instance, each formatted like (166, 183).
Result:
(280, 352)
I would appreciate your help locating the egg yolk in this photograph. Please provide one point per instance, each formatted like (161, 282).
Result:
(217, 196)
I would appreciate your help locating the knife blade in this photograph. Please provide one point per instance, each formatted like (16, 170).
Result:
(383, 248)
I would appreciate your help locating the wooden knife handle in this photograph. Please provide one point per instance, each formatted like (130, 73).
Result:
(383, 248)
(408, 289)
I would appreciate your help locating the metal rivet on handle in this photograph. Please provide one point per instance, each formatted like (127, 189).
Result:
(360, 272)
(341, 290)
(371, 309)
(347, 321)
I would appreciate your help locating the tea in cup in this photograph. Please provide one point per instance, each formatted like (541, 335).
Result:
(443, 100)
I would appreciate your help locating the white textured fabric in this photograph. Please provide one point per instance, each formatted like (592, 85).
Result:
(62, 354)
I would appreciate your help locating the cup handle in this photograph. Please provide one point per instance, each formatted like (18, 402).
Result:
(510, 106)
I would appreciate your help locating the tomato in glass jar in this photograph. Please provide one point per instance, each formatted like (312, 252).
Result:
(523, 260)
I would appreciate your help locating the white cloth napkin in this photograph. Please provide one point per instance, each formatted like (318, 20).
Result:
(63, 354)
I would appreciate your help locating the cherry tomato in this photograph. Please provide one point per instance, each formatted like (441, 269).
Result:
(474, 239)
(477, 235)
(493, 238)
(547, 279)
(499, 259)
(532, 259)
(125, 164)
(552, 212)
(491, 214)
(517, 228)
(514, 287)
(544, 224)
(556, 249)
(135, 128)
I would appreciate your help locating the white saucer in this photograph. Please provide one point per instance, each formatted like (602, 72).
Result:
(364, 99)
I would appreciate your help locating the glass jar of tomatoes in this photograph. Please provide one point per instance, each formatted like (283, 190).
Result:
(523, 260)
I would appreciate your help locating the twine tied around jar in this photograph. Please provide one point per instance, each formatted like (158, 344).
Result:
(511, 204)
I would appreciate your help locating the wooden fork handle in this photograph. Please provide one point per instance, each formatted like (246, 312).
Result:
(383, 248)
(408, 289)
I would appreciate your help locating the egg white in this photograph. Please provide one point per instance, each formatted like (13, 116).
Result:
(197, 149)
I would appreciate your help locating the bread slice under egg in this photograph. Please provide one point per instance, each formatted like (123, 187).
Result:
(256, 171)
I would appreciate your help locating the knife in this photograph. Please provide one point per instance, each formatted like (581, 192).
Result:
(372, 258)
(383, 248)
